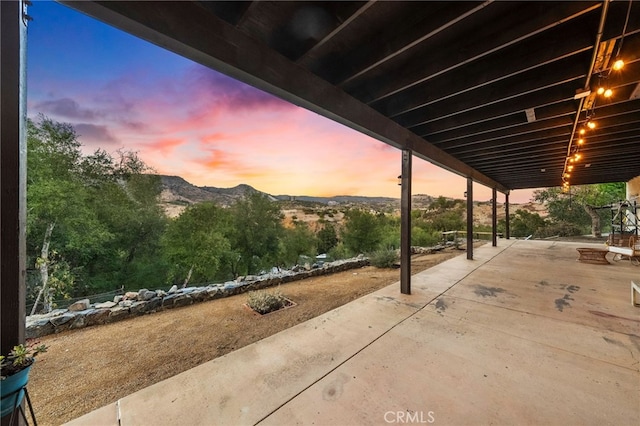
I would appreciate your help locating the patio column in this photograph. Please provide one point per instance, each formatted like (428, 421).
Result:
(405, 224)
(469, 218)
(506, 212)
(494, 218)
(12, 174)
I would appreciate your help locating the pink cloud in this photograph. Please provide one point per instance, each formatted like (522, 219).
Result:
(213, 130)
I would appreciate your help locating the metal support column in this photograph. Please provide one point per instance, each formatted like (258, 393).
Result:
(12, 174)
(469, 218)
(405, 224)
(494, 218)
(506, 212)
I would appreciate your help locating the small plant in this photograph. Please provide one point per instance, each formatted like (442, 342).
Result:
(21, 357)
(383, 258)
(264, 302)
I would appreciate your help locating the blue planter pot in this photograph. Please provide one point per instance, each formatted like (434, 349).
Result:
(13, 390)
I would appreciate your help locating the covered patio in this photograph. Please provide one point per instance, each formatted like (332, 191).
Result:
(523, 334)
(516, 333)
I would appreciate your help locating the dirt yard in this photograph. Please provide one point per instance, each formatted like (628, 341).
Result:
(88, 368)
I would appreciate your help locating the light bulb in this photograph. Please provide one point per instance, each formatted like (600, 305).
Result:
(618, 65)
(581, 131)
(580, 141)
(577, 157)
(600, 90)
(608, 93)
(591, 125)
(570, 168)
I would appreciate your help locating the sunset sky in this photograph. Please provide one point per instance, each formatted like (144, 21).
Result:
(188, 120)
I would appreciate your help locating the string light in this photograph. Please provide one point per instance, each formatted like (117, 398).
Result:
(618, 65)
(573, 152)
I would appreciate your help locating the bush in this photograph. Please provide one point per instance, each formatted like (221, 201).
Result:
(383, 258)
(264, 302)
(339, 252)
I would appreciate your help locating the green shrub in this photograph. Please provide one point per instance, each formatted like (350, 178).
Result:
(339, 252)
(383, 258)
(264, 302)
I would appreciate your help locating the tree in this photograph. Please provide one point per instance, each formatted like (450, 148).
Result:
(296, 241)
(524, 223)
(98, 214)
(586, 197)
(257, 229)
(58, 216)
(361, 233)
(327, 238)
(195, 243)
(125, 197)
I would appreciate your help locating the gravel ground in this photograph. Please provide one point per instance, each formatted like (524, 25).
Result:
(88, 368)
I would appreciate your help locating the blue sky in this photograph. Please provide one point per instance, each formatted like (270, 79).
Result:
(187, 120)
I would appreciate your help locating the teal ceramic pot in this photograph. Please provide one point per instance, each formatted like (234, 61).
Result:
(12, 390)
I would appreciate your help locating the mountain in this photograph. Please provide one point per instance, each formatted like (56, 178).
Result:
(178, 191)
(338, 199)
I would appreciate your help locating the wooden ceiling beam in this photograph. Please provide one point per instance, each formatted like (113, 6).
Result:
(569, 70)
(538, 52)
(515, 106)
(305, 59)
(479, 43)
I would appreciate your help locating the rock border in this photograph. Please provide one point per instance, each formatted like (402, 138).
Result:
(85, 314)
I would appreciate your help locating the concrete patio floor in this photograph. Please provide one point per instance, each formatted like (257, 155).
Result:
(522, 334)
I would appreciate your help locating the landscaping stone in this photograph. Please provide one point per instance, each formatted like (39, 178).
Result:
(118, 312)
(39, 328)
(83, 314)
(80, 305)
(57, 321)
(131, 295)
(138, 307)
(182, 300)
(98, 316)
(145, 294)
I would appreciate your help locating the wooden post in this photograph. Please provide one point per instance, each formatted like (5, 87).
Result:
(506, 212)
(494, 218)
(405, 224)
(469, 218)
(12, 175)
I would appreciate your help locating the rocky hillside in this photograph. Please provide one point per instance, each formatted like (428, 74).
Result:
(177, 194)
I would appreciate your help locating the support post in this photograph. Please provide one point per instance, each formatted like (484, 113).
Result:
(13, 37)
(12, 174)
(506, 212)
(494, 218)
(405, 224)
(469, 218)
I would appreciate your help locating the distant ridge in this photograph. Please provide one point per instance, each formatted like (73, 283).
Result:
(176, 190)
